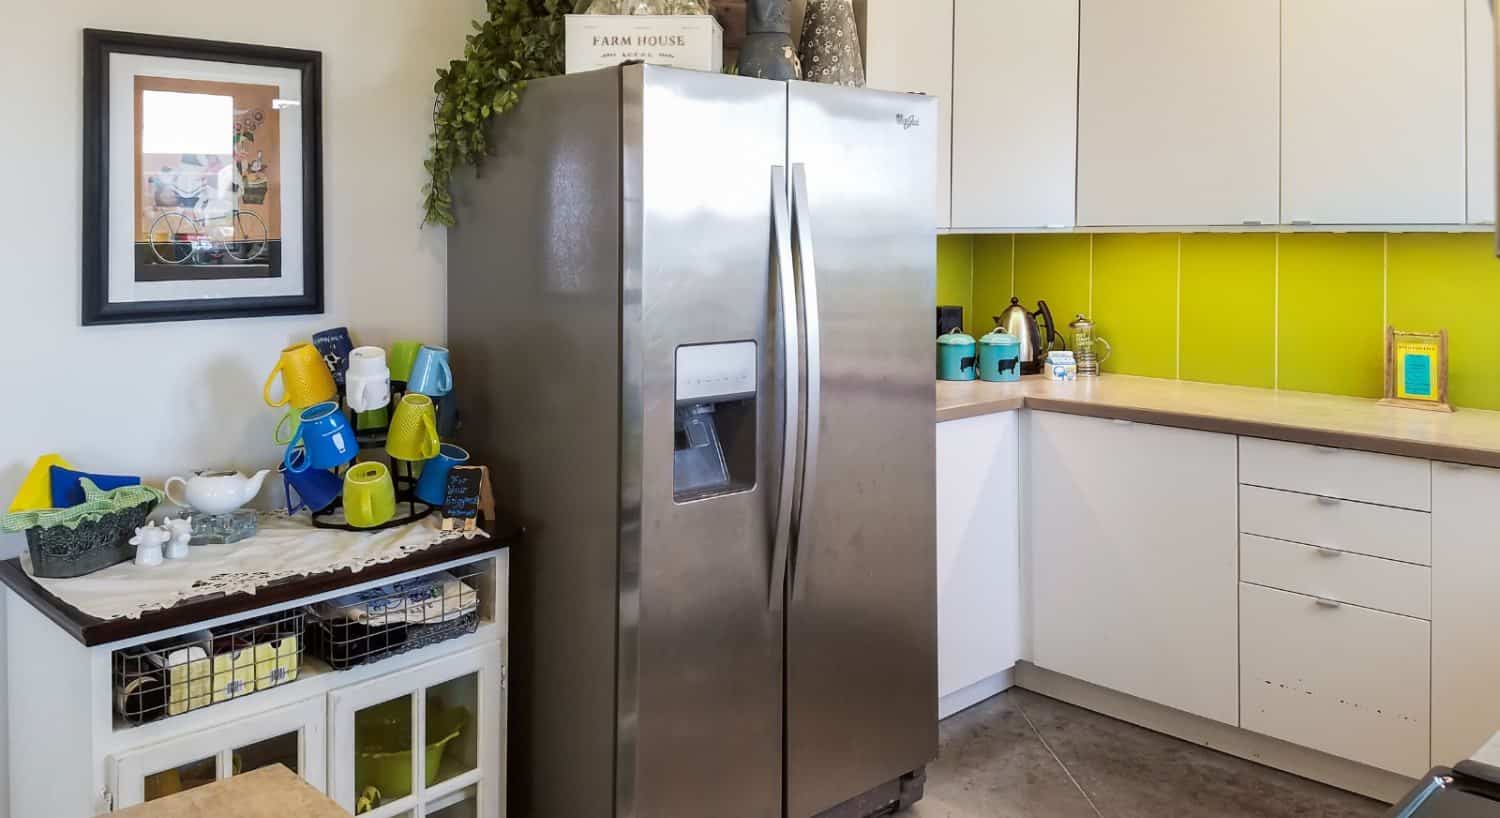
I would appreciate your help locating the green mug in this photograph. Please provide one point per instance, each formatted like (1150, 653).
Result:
(286, 428)
(369, 495)
(413, 434)
(401, 358)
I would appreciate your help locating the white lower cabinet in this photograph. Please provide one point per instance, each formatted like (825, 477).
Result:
(1130, 552)
(442, 707)
(1346, 680)
(1465, 608)
(291, 735)
(978, 570)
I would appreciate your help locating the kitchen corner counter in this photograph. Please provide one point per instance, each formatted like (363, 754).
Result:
(1469, 436)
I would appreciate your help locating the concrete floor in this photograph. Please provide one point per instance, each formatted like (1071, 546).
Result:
(1022, 755)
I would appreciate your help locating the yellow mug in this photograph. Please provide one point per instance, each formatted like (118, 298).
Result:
(305, 378)
(369, 495)
(413, 433)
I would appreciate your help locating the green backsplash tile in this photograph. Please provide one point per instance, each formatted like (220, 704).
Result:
(1332, 300)
(1229, 308)
(1451, 281)
(1054, 268)
(955, 275)
(992, 279)
(1135, 302)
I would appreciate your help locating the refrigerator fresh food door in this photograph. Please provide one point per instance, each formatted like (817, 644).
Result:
(861, 677)
(700, 647)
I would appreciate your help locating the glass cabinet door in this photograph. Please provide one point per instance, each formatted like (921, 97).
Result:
(293, 735)
(423, 741)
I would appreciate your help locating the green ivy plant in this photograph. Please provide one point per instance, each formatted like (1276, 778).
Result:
(521, 40)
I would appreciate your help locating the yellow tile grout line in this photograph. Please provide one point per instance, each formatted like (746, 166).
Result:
(1385, 281)
(1091, 277)
(1012, 265)
(1276, 319)
(1179, 306)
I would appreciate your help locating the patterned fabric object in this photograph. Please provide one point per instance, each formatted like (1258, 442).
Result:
(830, 44)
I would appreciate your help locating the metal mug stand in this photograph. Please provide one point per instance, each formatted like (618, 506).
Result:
(403, 476)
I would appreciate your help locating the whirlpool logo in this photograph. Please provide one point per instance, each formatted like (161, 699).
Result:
(908, 121)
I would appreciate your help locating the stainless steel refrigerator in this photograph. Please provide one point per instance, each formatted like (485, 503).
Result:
(691, 317)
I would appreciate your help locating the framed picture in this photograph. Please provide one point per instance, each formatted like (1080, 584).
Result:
(202, 179)
(1416, 370)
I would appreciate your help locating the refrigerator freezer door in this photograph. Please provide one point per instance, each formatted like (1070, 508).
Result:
(862, 615)
(699, 700)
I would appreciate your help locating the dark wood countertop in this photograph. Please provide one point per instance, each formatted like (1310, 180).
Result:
(92, 631)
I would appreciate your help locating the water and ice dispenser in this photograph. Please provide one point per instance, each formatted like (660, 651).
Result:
(714, 446)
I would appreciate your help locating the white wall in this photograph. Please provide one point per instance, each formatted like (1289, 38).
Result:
(157, 399)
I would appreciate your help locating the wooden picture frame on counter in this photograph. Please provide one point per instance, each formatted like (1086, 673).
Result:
(1416, 370)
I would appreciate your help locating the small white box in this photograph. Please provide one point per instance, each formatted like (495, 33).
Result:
(596, 41)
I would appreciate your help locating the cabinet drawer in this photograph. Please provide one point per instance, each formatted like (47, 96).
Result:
(1396, 587)
(1379, 531)
(1344, 680)
(1342, 473)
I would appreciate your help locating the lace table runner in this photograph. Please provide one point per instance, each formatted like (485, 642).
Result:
(285, 547)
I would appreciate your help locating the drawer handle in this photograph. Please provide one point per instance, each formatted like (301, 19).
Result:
(1328, 552)
(1329, 501)
(1324, 602)
(1326, 450)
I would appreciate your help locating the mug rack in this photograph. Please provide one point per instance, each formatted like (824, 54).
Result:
(409, 508)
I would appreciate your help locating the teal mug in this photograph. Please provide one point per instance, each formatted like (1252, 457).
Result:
(430, 374)
(432, 486)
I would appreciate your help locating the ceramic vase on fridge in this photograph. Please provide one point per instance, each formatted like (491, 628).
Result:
(830, 44)
(768, 52)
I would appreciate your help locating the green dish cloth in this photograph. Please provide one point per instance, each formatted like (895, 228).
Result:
(95, 505)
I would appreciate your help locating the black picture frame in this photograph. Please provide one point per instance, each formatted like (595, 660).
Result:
(98, 45)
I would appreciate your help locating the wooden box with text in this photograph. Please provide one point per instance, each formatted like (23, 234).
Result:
(605, 40)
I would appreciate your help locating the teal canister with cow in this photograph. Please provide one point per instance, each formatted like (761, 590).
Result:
(999, 357)
(956, 357)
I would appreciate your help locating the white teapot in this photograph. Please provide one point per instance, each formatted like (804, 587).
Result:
(215, 492)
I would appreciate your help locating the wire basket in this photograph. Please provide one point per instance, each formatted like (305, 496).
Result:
(382, 622)
(196, 670)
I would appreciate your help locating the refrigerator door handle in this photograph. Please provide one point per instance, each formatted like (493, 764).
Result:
(786, 294)
(807, 279)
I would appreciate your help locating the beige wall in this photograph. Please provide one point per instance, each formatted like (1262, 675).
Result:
(158, 399)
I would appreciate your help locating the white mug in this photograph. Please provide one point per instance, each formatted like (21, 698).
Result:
(368, 361)
(368, 391)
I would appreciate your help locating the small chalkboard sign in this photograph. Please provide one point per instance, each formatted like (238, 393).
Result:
(461, 500)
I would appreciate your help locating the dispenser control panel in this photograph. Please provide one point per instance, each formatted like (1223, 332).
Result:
(716, 372)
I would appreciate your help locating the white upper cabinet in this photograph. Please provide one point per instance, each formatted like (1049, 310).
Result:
(909, 47)
(1481, 91)
(1015, 112)
(1373, 112)
(1177, 112)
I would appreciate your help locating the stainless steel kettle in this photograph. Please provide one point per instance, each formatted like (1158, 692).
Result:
(1036, 338)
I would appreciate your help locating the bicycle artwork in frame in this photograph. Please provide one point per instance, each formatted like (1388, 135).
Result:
(202, 180)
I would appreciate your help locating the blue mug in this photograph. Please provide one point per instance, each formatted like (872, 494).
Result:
(327, 438)
(432, 486)
(315, 489)
(430, 374)
(449, 421)
(335, 345)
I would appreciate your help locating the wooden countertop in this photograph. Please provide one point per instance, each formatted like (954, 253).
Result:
(1469, 436)
(269, 792)
(92, 631)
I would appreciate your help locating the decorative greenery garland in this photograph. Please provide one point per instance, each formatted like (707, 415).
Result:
(522, 40)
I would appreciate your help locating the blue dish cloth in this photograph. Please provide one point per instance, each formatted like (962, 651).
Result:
(67, 491)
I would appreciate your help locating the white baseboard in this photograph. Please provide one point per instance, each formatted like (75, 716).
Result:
(1338, 772)
(967, 697)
